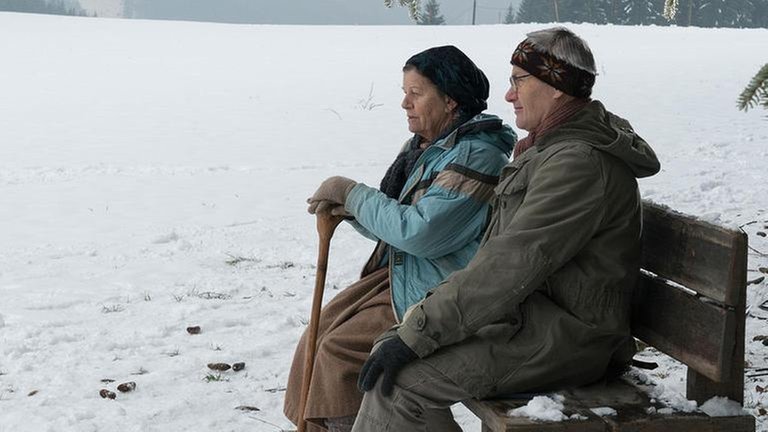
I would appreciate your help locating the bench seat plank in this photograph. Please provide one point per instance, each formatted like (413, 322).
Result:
(493, 414)
(630, 402)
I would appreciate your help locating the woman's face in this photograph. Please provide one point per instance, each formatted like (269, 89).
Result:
(429, 111)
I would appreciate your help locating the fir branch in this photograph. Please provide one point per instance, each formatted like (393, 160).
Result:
(756, 92)
(670, 9)
(413, 7)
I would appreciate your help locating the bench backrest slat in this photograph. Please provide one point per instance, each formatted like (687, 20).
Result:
(691, 252)
(703, 324)
(698, 334)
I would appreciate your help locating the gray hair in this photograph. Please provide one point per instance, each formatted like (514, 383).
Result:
(562, 43)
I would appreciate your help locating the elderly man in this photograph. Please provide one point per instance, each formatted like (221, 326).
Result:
(545, 303)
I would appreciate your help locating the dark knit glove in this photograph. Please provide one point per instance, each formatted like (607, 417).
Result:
(388, 359)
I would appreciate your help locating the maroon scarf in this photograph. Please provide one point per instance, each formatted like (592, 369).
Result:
(560, 115)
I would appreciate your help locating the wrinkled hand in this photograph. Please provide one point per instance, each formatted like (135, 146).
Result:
(331, 194)
(388, 359)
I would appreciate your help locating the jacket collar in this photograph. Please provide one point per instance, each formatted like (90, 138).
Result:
(476, 124)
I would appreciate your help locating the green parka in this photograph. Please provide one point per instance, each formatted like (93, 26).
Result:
(545, 303)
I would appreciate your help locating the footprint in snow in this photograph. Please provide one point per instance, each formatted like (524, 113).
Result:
(166, 238)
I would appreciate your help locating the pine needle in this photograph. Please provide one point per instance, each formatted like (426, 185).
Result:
(756, 92)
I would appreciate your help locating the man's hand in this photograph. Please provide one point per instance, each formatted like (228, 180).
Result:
(388, 359)
(331, 194)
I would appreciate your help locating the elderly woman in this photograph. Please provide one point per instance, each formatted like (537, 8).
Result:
(428, 217)
(545, 302)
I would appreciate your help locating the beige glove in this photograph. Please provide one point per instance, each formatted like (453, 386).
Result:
(331, 194)
(319, 207)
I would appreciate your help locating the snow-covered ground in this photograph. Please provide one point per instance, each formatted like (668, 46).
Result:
(153, 176)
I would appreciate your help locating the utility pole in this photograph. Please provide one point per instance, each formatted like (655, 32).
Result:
(474, 11)
(557, 14)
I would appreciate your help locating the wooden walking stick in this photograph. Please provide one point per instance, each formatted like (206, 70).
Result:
(326, 225)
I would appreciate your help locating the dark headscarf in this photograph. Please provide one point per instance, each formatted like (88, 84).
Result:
(454, 74)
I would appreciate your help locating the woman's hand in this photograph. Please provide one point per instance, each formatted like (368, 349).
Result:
(334, 209)
(331, 196)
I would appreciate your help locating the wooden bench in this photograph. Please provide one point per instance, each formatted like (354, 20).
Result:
(690, 305)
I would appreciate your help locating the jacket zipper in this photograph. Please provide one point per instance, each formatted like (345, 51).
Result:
(390, 258)
(391, 287)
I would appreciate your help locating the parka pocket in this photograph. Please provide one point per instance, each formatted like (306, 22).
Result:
(510, 195)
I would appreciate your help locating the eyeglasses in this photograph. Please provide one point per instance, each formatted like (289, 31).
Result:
(514, 81)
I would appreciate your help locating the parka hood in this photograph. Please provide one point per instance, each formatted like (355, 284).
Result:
(605, 131)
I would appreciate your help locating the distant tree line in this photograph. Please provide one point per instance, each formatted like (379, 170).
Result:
(700, 13)
(54, 7)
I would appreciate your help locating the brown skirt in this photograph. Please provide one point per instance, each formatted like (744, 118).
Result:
(348, 326)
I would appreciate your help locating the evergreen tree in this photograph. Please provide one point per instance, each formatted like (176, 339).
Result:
(539, 11)
(688, 15)
(658, 13)
(641, 12)
(431, 14)
(725, 13)
(578, 11)
(705, 13)
(745, 11)
(56, 7)
(509, 18)
(760, 14)
(614, 11)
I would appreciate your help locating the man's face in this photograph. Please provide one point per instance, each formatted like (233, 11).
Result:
(532, 98)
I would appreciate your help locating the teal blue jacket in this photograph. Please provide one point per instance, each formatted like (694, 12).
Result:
(436, 225)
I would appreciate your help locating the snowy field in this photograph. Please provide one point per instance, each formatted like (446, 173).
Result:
(153, 176)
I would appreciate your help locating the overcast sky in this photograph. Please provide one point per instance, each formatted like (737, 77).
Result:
(312, 11)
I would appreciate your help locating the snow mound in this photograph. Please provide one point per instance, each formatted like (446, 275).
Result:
(720, 406)
(604, 411)
(542, 408)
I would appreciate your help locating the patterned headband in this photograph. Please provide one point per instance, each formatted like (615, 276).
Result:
(563, 76)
